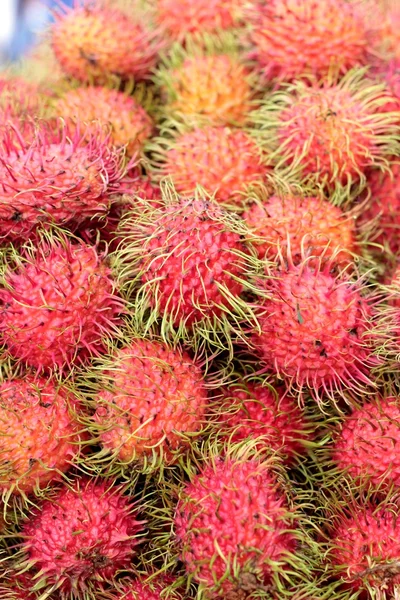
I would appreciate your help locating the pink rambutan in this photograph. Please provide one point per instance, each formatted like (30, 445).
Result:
(58, 178)
(233, 527)
(95, 40)
(315, 330)
(367, 443)
(251, 411)
(144, 588)
(57, 304)
(189, 258)
(224, 161)
(39, 433)
(151, 401)
(304, 225)
(82, 536)
(292, 38)
(182, 17)
(331, 131)
(130, 124)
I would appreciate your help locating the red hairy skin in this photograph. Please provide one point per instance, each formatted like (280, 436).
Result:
(81, 536)
(59, 177)
(237, 506)
(57, 305)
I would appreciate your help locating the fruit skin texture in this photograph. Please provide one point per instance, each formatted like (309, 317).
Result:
(223, 161)
(365, 548)
(335, 131)
(94, 42)
(82, 535)
(213, 90)
(39, 434)
(139, 589)
(150, 395)
(252, 410)
(57, 305)
(383, 210)
(293, 38)
(237, 505)
(183, 17)
(313, 326)
(305, 224)
(58, 177)
(367, 444)
(130, 124)
(189, 255)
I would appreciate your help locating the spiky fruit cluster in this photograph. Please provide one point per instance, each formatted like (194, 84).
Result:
(39, 434)
(223, 161)
(331, 131)
(93, 42)
(381, 215)
(151, 396)
(391, 76)
(183, 17)
(130, 124)
(192, 260)
(214, 89)
(303, 226)
(82, 536)
(314, 330)
(142, 589)
(367, 443)
(302, 37)
(57, 304)
(251, 411)
(365, 548)
(58, 177)
(233, 526)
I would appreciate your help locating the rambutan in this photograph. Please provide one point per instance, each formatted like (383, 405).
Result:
(293, 38)
(39, 433)
(146, 588)
(315, 330)
(332, 132)
(94, 41)
(234, 527)
(367, 444)
(180, 18)
(208, 89)
(130, 124)
(57, 304)
(186, 260)
(58, 178)
(305, 225)
(248, 410)
(224, 161)
(149, 403)
(80, 537)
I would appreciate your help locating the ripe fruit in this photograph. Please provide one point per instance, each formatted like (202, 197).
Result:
(213, 89)
(367, 443)
(331, 131)
(58, 303)
(224, 161)
(306, 226)
(142, 589)
(315, 330)
(130, 124)
(233, 527)
(294, 38)
(82, 536)
(39, 434)
(93, 42)
(183, 17)
(251, 411)
(189, 258)
(56, 178)
(150, 397)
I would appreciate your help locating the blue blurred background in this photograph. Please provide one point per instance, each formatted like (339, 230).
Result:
(20, 23)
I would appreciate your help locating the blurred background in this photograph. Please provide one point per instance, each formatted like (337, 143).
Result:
(20, 23)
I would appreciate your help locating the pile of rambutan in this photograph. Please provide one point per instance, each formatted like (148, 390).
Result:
(200, 303)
